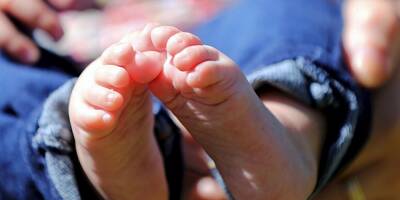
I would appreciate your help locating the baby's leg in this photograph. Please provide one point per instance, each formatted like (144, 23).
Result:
(111, 117)
(211, 97)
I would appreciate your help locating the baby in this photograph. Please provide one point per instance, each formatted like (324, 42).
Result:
(112, 121)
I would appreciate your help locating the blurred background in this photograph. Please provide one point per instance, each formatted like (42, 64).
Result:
(100, 27)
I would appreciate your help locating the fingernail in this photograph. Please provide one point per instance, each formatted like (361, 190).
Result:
(57, 33)
(111, 97)
(107, 118)
(370, 66)
(360, 39)
(29, 56)
(370, 58)
(52, 24)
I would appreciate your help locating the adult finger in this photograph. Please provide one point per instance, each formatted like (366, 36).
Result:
(16, 44)
(369, 38)
(378, 181)
(35, 14)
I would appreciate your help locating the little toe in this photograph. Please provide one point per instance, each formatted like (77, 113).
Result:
(120, 54)
(180, 41)
(103, 98)
(191, 56)
(161, 34)
(112, 76)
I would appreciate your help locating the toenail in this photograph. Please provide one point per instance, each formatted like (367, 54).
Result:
(192, 77)
(107, 118)
(111, 97)
(116, 76)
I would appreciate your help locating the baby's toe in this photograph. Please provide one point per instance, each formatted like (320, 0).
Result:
(161, 34)
(180, 41)
(191, 56)
(147, 66)
(112, 76)
(103, 98)
(120, 54)
(91, 120)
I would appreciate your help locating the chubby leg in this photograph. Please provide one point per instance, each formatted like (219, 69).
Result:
(112, 121)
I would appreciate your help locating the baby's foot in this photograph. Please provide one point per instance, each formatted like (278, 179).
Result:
(112, 121)
(210, 96)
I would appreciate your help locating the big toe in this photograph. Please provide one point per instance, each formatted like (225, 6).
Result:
(147, 66)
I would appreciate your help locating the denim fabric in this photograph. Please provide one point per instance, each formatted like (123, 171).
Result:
(257, 34)
(23, 90)
(54, 138)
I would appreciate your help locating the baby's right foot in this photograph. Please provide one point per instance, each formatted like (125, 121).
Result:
(112, 121)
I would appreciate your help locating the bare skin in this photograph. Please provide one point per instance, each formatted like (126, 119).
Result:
(371, 40)
(34, 14)
(200, 85)
(306, 125)
(112, 122)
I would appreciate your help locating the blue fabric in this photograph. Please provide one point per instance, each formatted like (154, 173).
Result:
(23, 90)
(259, 32)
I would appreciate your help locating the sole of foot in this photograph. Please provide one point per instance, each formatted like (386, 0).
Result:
(112, 121)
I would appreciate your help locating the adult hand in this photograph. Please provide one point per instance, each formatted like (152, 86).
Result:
(375, 170)
(370, 39)
(33, 14)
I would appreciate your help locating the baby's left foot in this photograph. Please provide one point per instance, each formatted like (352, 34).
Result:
(211, 97)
